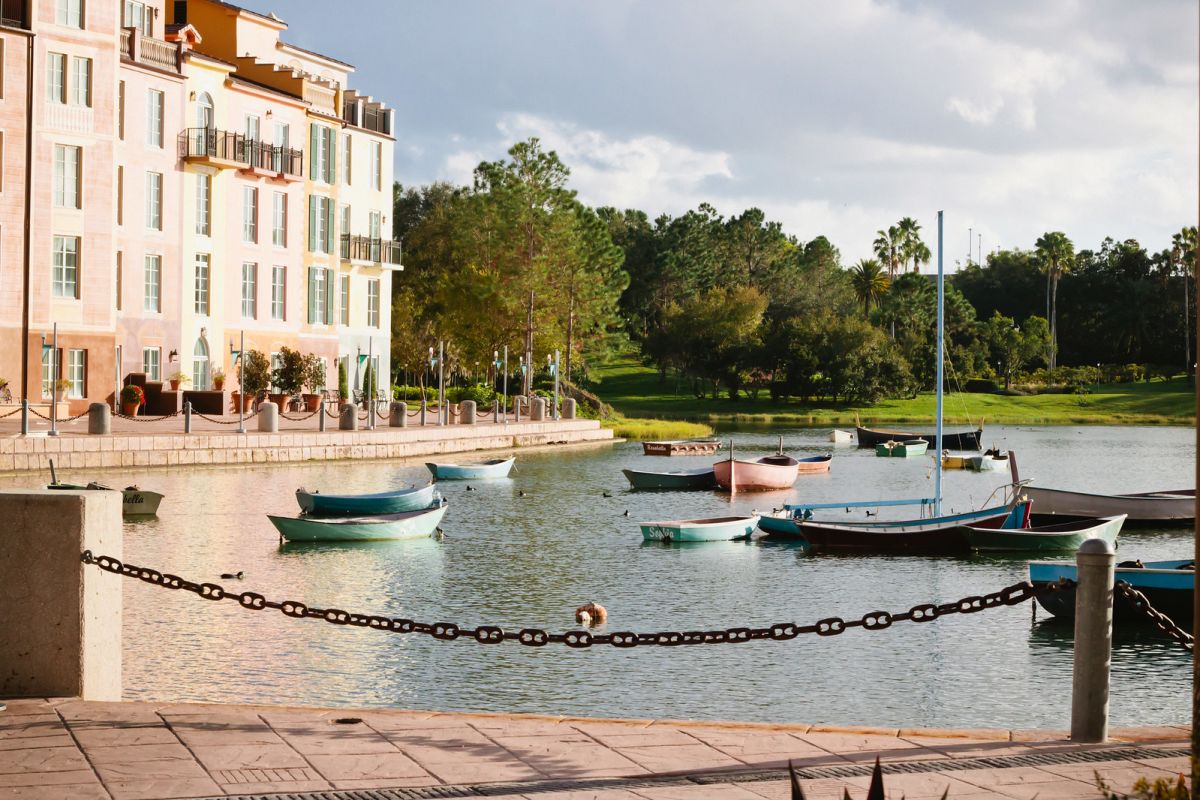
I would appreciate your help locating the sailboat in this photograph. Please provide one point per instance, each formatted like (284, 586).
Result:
(937, 533)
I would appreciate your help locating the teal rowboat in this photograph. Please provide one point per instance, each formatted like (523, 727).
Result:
(135, 502)
(716, 529)
(1168, 585)
(906, 449)
(343, 505)
(495, 468)
(1060, 537)
(407, 525)
(684, 480)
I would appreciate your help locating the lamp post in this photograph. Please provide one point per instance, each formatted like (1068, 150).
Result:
(237, 361)
(443, 406)
(505, 408)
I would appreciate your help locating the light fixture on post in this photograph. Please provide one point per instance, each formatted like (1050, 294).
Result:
(173, 355)
(237, 356)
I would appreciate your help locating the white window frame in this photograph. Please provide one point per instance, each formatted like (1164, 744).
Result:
(152, 363)
(137, 15)
(377, 165)
(347, 160)
(154, 118)
(152, 284)
(202, 287)
(279, 293)
(203, 204)
(81, 82)
(68, 13)
(68, 165)
(375, 225)
(279, 219)
(253, 128)
(344, 297)
(76, 372)
(373, 303)
(154, 198)
(65, 275)
(249, 290)
(250, 214)
(56, 78)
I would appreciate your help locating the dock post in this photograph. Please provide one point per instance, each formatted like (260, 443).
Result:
(321, 415)
(99, 419)
(187, 417)
(399, 415)
(1095, 567)
(25, 416)
(424, 406)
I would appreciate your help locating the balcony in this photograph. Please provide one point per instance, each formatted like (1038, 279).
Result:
(362, 112)
(14, 13)
(228, 150)
(149, 51)
(370, 250)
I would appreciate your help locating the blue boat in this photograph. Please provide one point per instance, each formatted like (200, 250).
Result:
(1168, 585)
(394, 502)
(495, 468)
(418, 524)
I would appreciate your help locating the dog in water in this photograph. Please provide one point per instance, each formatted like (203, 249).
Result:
(591, 614)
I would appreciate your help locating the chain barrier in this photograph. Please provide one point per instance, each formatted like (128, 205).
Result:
(301, 419)
(329, 413)
(37, 413)
(578, 639)
(9, 414)
(1164, 623)
(382, 414)
(148, 419)
(251, 415)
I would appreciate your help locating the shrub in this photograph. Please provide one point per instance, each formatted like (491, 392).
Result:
(368, 382)
(180, 377)
(343, 382)
(289, 375)
(482, 395)
(132, 394)
(981, 386)
(414, 393)
(314, 372)
(255, 371)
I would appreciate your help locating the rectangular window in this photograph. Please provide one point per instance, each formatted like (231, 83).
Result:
(373, 303)
(48, 369)
(322, 159)
(283, 136)
(121, 110)
(56, 78)
(279, 293)
(344, 230)
(249, 290)
(376, 165)
(346, 160)
(120, 278)
(203, 204)
(76, 372)
(376, 225)
(137, 15)
(201, 294)
(154, 188)
(69, 13)
(154, 118)
(252, 128)
(152, 363)
(316, 295)
(249, 214)
(279, 220)
(66, 266)
(153, 284)
(66, 176)
(320, 224)
(2, 69)
(81, 81)
(120, 195)
(345, 300)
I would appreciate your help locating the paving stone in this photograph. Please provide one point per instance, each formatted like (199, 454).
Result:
(42, 760)
(765, 748)
(671, 758)
(634, 736)
(248, 756)
(100, 736)
(328, 739)
(127, 754)
(26, 742)
(367, 767)
(866, 747)
(717, 791)
(56, 778)
(77, 791)
(570, 755)
(162, 789)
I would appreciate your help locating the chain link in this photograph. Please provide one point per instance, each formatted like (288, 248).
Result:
(9, 414)
(148, 419)
(300, 419)
(251, 415)
(578, 639)
(1164, 623)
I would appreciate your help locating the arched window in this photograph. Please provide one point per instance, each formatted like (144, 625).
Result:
(200, 372)
(205, 115)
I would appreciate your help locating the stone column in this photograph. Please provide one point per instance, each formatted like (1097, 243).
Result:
(60, 620)
(537, 411)
(268, 417)
(466, 412)
(568, 408)
(348, 421)
(399, 418)
(99, 419)
(1095, 568)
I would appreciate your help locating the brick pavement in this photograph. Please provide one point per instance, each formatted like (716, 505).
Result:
(57, 749)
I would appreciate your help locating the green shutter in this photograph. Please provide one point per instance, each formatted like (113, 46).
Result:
(331, 167)
(312, 152)
(329, 278)
(312, 295)
(312, 224)
(329, 204)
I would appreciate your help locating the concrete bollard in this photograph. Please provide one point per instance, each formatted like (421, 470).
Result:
(321, 415)
(1095, 564)
(187, 417)
(399, 418)
(99, 419)
(268, 417)
(537, 411)
(466, 412)
(496, 410)
(424, 409)
(60, 618)
(517, 407)
(568, 408)
(348, 421)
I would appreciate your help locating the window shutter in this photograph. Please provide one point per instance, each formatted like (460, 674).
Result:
(312, 152)
(329, 296)
(312, 224)
(331, 164)
(312, 295)
(329, 226)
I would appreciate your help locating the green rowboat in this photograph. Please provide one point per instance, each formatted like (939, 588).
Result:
(684, 480)
(1060, 537)
(906, 449)
(407, 525)
(717, 529)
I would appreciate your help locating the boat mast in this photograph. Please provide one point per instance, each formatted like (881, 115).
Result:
(941, 344)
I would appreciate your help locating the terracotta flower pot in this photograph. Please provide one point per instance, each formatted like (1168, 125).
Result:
(247, 401)
(174, 386)
(279, 400)
(130, 409)
(218, 384)
(312, 402)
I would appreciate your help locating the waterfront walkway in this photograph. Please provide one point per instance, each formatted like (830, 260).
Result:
(66, 749)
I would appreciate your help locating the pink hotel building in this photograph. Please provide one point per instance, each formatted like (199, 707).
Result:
(173, 175)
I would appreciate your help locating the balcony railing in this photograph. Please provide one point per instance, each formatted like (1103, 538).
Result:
(236, 148)
(147, 50)
(14, 13)
(370, 116)
(365, 248)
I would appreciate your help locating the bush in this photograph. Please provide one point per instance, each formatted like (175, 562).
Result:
(410, 394)
(314, 372)
(255, 371)
(368, 382)
(481, 394)
(343, 382)
(132, 394)
(289, 375)
(981, 386)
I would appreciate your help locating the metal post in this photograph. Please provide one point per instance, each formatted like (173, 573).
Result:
(374, 383)
(1095, 564)
(321, 415)
(24, 416)
(443, 407)
(517, 408)
(423, 406)
(495, 409)
(555, 414)
(187, 417)
(54, 385)
(117, 380)
(941, 356)
(504, 407)
(1196, 592)
(242, 385)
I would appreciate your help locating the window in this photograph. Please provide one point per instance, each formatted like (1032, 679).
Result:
(121, 110)
(346, 160)
(154, 118)
(1, 69)
(320, 299)
(137, 15)
(69, 13)
(200, 374)
(203, 204)
(322, 166)
(151, 363)
(320, 224)
(252, 128)
(56, 78)
(202, 263)
(66, 176)
(249, 290)
(120, 195)
(278, 293)
(154, 188)
(120, 279)
(373, 303)
(66, 266)
(345, 222)
(76, 372)
(48, 370)
(279, 220)
(81, 81)
(345, 298)
(283, 135)
(375, 222)
(205, 113)
(376, 165)
(153, 284)
(249, 214)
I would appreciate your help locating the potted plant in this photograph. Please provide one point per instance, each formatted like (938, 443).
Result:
(61, 387)
(177, 379)
(218, 379)
(288, 377)
(132, 398)
(254, 370)
(343, 385)
(314, 379)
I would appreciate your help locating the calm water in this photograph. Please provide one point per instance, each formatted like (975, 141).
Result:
(529, 561)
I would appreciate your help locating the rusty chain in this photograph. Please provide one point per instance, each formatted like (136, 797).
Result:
(1141, 604)
(300, 419)
(250, 415)
(148, 419)
(9, 414)
(37, 413)
(535, 637)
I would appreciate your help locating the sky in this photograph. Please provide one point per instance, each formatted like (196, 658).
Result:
(835, 118)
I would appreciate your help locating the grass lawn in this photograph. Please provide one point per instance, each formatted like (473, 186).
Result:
(635, 391)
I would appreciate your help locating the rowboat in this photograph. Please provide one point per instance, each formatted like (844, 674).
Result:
(963, 440)
(841, 437)
(393, 502)
(682, 447)
(716, 529)
(814, 464)
(988, 461)
(1168, 585)
(765, 474)
(405, 525)
(495, 468)
(955, 462)
(906, 449)
(1168, 506)
(680, 480)
(1061, 536)
(135, 502)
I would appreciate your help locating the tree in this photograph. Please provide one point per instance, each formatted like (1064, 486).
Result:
(1056, 253)
(869, 282)
(911, 246)
(713, 335)
(1183, 249)
(1014, 346)
(343, 381)
(888, 248)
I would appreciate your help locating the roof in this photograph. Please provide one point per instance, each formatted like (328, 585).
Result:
(267, 17)
(289, 46)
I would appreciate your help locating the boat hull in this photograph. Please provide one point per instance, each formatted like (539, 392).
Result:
(755, 476)
(1062, 537)
(963, 440)
(346, 505)
(1174, 506)
(721, 529)
(135, 502)
(814, 464)
(685, 447)
(841, 437)
(1169, 590)
(498, 468)
(939, 536)
(987, 463)
(408, 525)
(680, 481)
(909, 449)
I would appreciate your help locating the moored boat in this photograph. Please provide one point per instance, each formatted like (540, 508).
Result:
(963, 440)
(1058, 537)
(393, 502)
(955, 462)
(493, 468)
(417, 524)
(988, 461)
(766, 474)
(1168, 585)
(679, 480)
(814, 464)
(135, 502)
(1177, 506)
(906, 449)
(716, 529)
(841, 437)
(682, 447)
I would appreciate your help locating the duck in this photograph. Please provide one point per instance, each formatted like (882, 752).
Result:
(229, 576)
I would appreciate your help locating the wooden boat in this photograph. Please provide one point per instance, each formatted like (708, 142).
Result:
(765, 474)
(1168, 585)
(135, 502)
(406, 525)
(955, 462)
(906, 449)
(682, 447)
(716, 529)
(393, 502)
(683, 480)
(963, 440)
(841, 437)
(1177, 506)
(495, 468)
(988, 461)
(814, 464)
(1059, 537)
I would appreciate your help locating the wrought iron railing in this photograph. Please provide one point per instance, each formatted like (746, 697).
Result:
(366, 248)
(230, 146)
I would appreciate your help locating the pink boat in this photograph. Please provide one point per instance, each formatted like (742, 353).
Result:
(765, 474)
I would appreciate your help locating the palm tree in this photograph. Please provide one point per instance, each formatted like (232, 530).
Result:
(1183, 252)
(910, 241)
(869, 282)
(887, 246)
(1057, 254)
